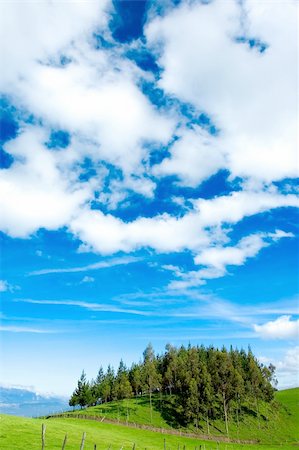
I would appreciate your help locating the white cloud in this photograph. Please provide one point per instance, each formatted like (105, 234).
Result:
(281, 328)
(34, 193)
(21, 329)
(101, 307)
(248, 247)
(196, 230)
(4, 286)
(38, 30)
(96, 266)
(87, 279)
(250, 96)
(109, 109)
(97, 98)
(287, 368)
(194, 157)
(217, 258)
(220, 257)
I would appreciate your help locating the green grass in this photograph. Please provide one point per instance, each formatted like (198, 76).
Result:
(21, 434)
(279, 432)
(276, 423)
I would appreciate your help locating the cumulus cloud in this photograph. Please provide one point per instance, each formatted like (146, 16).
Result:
(55, 72)
(248, 247)
(34, 193)
(207, 60)
(39, 30)
(196, 230)
(216, 259)
(194, 157)
(281, 328)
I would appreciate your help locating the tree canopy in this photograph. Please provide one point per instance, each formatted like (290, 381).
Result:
(206, 382)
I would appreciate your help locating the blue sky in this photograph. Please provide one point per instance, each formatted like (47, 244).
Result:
(149, 184)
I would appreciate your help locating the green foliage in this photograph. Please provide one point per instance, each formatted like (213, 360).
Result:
(207, 383)
(83, 393)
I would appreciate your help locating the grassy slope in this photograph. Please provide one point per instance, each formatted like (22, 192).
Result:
(21, 434)
(276, 424)
(17, 433)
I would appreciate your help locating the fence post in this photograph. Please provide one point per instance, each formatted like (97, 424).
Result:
(64, 442)
(83, 440)
(95, 447)
(43, 435)
(164, 444)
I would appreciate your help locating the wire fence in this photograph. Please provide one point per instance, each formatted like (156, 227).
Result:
(215, 445)
(169, 431)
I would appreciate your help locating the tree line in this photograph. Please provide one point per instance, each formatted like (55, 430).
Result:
(206, 382)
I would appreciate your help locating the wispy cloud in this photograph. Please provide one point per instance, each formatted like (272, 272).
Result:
(21, 329)
(96, 266)
(86, 305)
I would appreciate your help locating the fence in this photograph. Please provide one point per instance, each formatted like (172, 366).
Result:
(216, 446)
(204, 437)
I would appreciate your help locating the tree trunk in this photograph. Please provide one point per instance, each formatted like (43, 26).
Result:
(225, 413)
(238, 425)
(151, 410)
(208, 425)
(257, 412)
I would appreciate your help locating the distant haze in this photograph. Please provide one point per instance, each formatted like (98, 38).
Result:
(21, 402)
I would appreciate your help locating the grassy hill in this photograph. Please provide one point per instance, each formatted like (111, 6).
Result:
(275, 423)
(278, 429)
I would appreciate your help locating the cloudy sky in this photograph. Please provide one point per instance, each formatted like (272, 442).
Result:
(148, 183)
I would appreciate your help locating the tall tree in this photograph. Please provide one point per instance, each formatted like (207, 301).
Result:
(151, 377)
(82, 392)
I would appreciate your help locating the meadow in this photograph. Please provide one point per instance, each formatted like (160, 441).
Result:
(280, 430)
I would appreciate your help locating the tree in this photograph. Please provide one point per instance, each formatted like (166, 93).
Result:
(171, 368)
(151, 376)
(192, 404)
(82, 394)
(73, 400)
(122, 386)
(135, 377)
(108, 384)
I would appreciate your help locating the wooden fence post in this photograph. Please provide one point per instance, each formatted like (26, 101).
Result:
(164, 444)
(83, 440)
(43, 435)
(64, 442)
